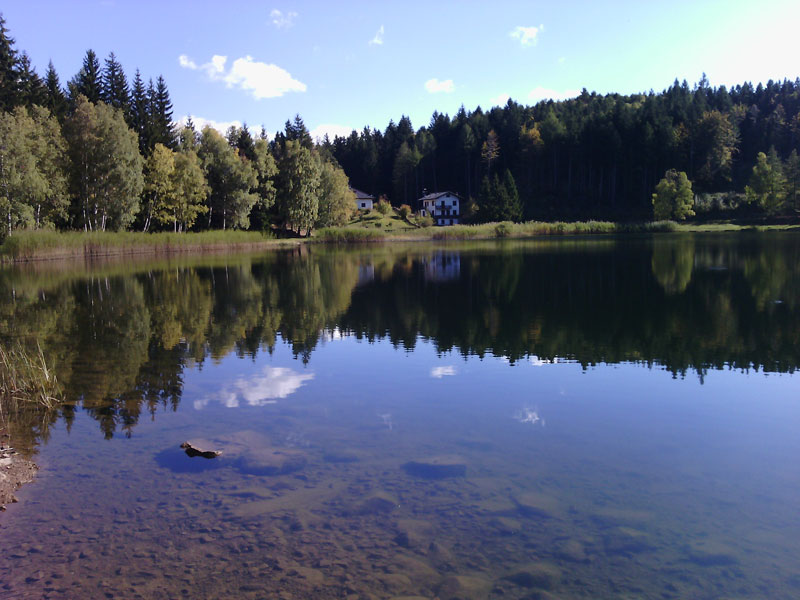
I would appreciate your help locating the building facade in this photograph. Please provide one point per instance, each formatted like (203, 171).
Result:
(443, 207)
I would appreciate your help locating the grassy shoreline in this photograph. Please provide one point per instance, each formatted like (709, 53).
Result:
(27, 246)
(30, 246)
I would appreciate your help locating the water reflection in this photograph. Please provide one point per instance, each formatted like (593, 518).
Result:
(259, 390)
(120, 337)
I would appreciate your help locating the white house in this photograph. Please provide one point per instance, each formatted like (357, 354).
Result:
(364, 201)
(444, 207)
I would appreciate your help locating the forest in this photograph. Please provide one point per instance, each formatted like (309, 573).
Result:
(103, 153)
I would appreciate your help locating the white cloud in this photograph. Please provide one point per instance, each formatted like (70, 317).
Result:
(562, 60)
(541, 93)
(378, 39)
(187, 63)
(274, 383)
(282, 20)
(200, 123)
(262, 80)
(500, 100)
(318, 133)
(526, 35)
(434, 86)
(439, 372)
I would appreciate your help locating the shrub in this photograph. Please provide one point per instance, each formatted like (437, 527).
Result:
(383, 207)
(404, 211)
(426, 221)
(502, 230)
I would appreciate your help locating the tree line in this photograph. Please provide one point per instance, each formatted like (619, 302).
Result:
(104, 154)
(594, 156)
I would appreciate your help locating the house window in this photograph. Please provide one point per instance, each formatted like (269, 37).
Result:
(363, 205)
(454, 202)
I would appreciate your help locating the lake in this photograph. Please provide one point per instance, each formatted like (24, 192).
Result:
(566, 418)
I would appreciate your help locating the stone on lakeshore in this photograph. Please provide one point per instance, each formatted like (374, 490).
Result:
(437, 467)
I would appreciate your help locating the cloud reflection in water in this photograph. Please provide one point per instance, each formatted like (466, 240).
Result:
(263, 389)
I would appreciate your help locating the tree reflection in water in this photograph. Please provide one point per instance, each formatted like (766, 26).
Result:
(120, 337)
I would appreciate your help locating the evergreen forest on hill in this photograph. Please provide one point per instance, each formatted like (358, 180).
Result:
(103, 153)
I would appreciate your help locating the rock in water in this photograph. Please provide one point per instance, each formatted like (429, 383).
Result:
(193, 450)
(437, 467)
(270, 461)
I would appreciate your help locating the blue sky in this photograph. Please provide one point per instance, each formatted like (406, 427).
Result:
(344, 65)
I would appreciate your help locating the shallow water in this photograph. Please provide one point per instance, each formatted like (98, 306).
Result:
(560, 419)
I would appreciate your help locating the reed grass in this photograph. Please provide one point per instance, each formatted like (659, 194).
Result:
(43, 244)
(26, 380)
(349, 235)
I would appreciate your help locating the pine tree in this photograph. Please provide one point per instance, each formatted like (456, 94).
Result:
(297, 131)
(115, 86)
(88, 81)
(138, 114)
(511, 206)
(161, 115)
(8, 69)
(55, 101)
(31, 90)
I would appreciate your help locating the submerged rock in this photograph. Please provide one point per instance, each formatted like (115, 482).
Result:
(537, 575)
(626, 540)
(270, 461)
(534, 504)
(437, 467)
(193, 450)
(710, 553)
(463, 587)
(377, 503)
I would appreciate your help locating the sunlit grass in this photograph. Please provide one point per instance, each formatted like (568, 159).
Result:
(32, 245)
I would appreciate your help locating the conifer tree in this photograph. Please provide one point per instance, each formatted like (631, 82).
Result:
(115, 85)
(31, 89)
(8, 69)
(88, 81)
(138, 114)
(296, 131)
(55, 100)
(160, 113)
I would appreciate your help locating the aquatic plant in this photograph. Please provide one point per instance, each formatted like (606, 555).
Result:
(26, 379)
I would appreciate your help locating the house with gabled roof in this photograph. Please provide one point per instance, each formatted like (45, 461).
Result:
(364, 201)
(443, 207)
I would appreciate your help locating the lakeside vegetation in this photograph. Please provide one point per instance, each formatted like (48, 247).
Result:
(44, 244)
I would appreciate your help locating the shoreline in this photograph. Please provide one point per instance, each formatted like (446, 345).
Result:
(39, 247)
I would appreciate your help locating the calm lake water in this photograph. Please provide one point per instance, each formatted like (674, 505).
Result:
(554, 419)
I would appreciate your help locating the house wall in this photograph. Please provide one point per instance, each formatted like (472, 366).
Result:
(364, 204)
(445, 210)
